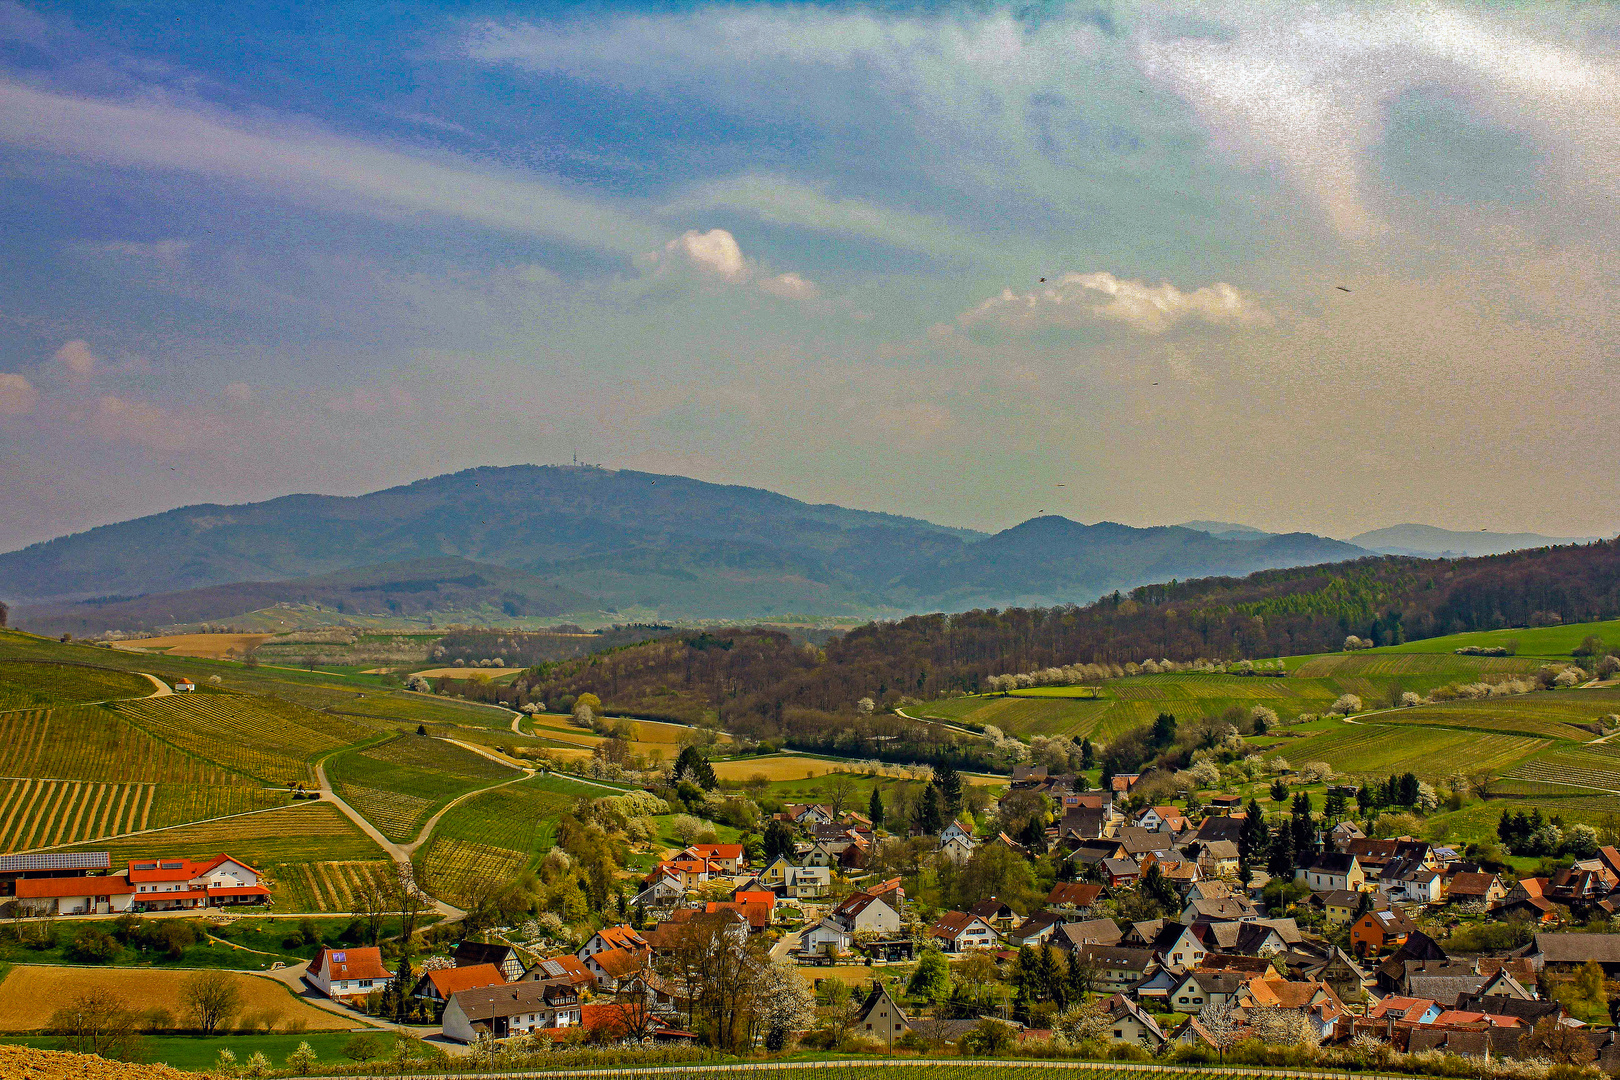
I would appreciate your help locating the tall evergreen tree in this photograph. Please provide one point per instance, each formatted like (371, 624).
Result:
(1280, 856)
(1088, 755)
(874, 808)
(949, 783)
(930, 812)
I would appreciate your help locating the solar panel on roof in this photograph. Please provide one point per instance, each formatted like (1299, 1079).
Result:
(56, 860)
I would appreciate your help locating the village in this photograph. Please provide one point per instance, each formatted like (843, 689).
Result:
(1159, 934)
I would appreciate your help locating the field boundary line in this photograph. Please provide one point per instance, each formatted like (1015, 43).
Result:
(160, 828)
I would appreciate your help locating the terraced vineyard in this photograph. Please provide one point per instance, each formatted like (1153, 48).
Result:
(331, 886)
(492, 836)
(1447, 666)
(271, 740)
(1542, 715)
(1584, 766)
(399, 783)
(93, 742)
(1377, 750)
(29, 685)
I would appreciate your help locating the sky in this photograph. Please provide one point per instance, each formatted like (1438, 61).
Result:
(1318, 267)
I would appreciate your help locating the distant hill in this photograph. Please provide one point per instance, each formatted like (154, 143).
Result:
(1219, 528)
(1426, 541)
(416, 587)
(1050, 560)
(638, 544)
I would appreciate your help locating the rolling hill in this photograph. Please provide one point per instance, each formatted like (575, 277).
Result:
(590, 540)
(445, 585)
(1426, 541)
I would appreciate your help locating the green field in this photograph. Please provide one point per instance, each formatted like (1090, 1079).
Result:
(495, 835)
(399, 784)
(264, 738)
(1378, 750)
(197, 1054)
(25, 685)
(1540, 641)
(79, 772)
(1552, 715)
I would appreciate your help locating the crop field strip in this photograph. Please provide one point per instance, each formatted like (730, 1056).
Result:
(1379, 749)
(396, 784)
(1451, 667)
(331, 886)
(261, 737)
(496, 834)
(25, 685)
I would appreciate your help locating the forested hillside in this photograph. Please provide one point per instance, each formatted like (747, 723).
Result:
(763, 685)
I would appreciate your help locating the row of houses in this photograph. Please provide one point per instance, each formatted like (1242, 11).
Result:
(84, 883)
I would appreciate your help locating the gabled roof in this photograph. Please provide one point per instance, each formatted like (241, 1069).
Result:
(1090, 932)
(148, 871)
(717, 851)
(623, 936)
(1579, 948)
(447, 981)
(953, 924)
(1074, 894)
(1333, 862)
(566, 966)
(618, 963)
(477, 952)
(56, 887)
(992, 909)
(1409, 1009)
(341, 964)
(510, 999)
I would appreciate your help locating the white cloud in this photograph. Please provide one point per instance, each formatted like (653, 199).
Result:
(790, 286)
(17, 395)
(717, 256)
(715, 252)
(77, 358)
(1081, 299)
(312, 166)
(1308, 93)
(781, 200)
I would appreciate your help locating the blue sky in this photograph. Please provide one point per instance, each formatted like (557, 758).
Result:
(251, 252)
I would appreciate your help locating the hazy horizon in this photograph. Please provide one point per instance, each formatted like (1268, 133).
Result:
(1322, 269)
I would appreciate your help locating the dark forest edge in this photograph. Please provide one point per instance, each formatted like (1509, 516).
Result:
(773, 691)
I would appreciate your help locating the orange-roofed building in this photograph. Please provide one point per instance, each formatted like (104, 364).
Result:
(74, 895)
(346, 974)
(616, 1021)
(437, 986)
(725, 858)
(179, 884)
(566, 966)
(758, 914)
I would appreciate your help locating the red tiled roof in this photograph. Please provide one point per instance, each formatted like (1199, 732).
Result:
(45, 888)
(618, 962)
(757, 914)
(447, 981)
(566, 966)
(340, 964)
(717, 851)
(180, 869)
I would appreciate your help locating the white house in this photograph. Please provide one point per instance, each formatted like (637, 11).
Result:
(958, 931)
(807, 882)
(622, 936)
(953, 830)
(346, 974)
(1414, 887)
(1333, 871)
(958, 849)
(75, 895)
(177, 884)
(511, 1009)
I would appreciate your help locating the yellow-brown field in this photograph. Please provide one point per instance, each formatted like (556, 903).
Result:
(208, 646)
(794, 767)
(492, 674)
(25, 1061)
(31, 993)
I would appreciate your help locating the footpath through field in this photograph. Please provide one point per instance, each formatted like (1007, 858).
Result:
(937, 1069)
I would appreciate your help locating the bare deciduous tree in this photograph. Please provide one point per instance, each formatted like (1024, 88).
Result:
(210, 999)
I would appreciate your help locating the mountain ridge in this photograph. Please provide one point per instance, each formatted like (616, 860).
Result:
(664, 547)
